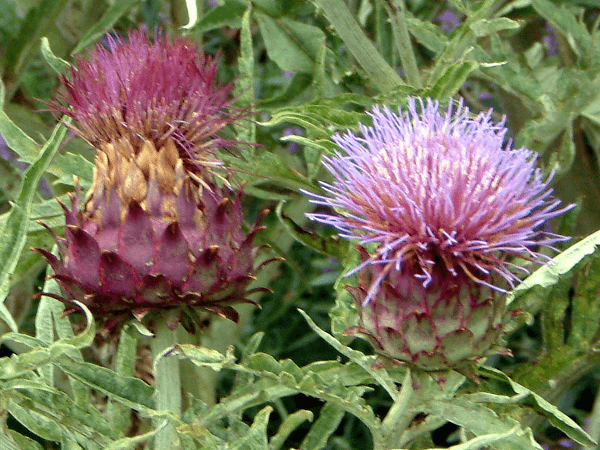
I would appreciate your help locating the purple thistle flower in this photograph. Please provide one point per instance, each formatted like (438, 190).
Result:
(448, 21)
(156, 238)
(160, 91)
(439, 189)
(442, 204)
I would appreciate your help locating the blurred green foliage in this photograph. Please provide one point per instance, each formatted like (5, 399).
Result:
(308, 70)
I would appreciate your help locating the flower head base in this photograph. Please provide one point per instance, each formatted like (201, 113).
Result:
(435, 189)
(442, 204)
(158, 259)
(446, 324)
(155, 92)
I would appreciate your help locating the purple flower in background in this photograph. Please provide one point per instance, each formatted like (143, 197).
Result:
(8, 155)
(292, 131)
(448, 21)
(550, 40)
(439, 203)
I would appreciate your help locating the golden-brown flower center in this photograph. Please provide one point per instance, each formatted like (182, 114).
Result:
(143, 174)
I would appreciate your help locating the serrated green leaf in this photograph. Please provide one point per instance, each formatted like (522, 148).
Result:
(556, 417)
(128, 443)
(297, 85)
(320, 120)
(49, 318)
(66, 165)
(564, 22)
(106, 22)
(69, 444)
(482, 421)
(562, 160)
(463, 39)
(262, 392)
(450, 80)
(329, 419)
(20, 50)
(403, 43)
(37, 423)
(269, 388)
(272, 167)
(204, 357)
(427, 34)
(244, 85)
(15, 228)
(59, 65)
(370, 60)
(359, 358)
(19, 364)
(271, 7)
(7, 317)
(312, 156)
(86, 337)
(129, 391)
(58, 406)
(118, 414)
(329, 246)
(23, 339)
(344, 315)
(17, 140)
(292, 45)
(585, 315)
(320, 80)
(229, 15)
(483, 27)
(486, 440)
(252, 345)
(549, 274)
(256, 438)
(264, 362)
(22, 442)
(289, 424)
(278, 379)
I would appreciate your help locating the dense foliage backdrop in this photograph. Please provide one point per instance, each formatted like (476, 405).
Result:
(303, 71)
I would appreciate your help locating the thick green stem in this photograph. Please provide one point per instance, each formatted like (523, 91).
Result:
(118, 414)
(396, 11)
(167, 383)
(398, 418)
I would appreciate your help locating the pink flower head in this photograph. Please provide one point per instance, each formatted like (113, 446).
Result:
(439, 191)
(166, 90)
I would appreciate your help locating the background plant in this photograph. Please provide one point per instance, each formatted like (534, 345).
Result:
(309, 69)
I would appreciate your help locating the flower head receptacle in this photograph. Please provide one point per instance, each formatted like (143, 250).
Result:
(447, 209)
